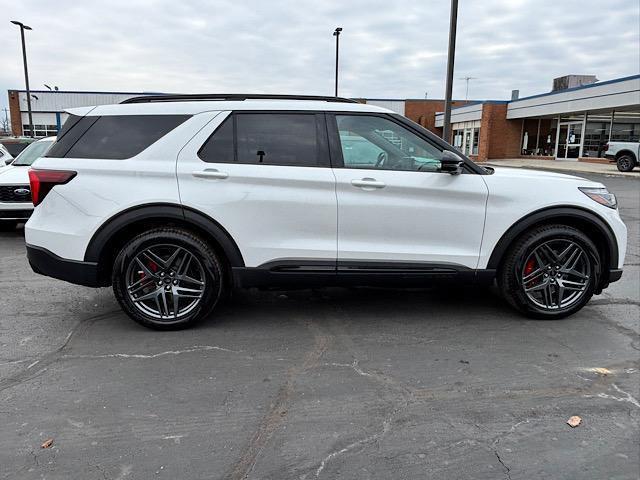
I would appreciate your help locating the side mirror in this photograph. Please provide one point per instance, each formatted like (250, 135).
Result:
(451, 163)
(8, 161)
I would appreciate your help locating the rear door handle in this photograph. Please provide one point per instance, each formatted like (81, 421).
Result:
(210, 173)
(367, 183)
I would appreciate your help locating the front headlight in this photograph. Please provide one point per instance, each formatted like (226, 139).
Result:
(600, 195)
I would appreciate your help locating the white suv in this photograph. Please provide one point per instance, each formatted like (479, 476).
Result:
(15, 196)
(176, 199)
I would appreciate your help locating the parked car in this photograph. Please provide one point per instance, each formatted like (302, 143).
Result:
(15, 145)
(15, 193)
(624, 154)
(174, 200)
(5, 156)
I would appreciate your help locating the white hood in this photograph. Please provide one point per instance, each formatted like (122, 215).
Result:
(11, 175)
(539, 175)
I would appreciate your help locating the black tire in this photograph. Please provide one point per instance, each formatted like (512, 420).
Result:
(8, 225)
(625, 163)
(202, 262)
(518, 259)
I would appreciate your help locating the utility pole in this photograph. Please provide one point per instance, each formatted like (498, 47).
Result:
(336, 33)
(453, 21)
(466, 91)
(24, 27)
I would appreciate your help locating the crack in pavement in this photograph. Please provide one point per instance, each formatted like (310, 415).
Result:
(195, 348)
(496, 442)
(629, 398)
(507, 470)
(386, 426)
(279, 408)
(47, 359)
(406, 399)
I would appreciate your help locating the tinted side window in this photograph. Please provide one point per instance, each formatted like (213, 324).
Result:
(68, 125)
(278, 139)
(376, 142)
(219, 147)
(71, 131)
(117, 136)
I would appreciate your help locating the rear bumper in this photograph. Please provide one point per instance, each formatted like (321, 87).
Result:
(44, 262)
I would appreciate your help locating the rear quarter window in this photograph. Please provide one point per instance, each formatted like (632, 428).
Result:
(113, 137)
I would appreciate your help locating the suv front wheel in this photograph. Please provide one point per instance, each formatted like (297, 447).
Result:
(550, 272)
(167, 278)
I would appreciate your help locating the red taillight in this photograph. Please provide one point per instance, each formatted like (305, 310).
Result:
(42, 181)
(606, 147)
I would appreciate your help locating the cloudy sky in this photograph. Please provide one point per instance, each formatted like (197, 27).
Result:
(389, 49)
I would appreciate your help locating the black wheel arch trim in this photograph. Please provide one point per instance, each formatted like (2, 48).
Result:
(547, 214)
(168, 211)
(622, 153)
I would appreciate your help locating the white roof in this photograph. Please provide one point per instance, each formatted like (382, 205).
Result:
(194, 107)
(621, 93)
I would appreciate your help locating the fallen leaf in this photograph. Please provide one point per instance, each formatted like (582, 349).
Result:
(47, 443)
(574, 421)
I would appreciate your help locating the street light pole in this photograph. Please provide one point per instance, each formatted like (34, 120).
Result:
(453, 21)
(24, 27)
(336, 33)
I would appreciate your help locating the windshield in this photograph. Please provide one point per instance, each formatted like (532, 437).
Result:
(32, 153)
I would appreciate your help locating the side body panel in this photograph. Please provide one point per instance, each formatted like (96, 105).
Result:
(272, 212)
(416, 217)
(516, 193)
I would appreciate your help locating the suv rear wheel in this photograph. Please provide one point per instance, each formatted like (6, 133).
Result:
(550, 272)
(625, 162)
(167, 278)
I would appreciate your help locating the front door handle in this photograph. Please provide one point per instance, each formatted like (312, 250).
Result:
(210, 173)
(367, 183)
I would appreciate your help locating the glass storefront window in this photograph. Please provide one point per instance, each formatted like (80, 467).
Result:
(457, 139)
(466, 138)
(626, 127)
(476, 140)
(596, 134)
(467, 141)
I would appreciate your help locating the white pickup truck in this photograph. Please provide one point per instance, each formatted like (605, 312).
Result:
(625, 154)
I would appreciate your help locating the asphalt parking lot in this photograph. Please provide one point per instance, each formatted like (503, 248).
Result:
(335, 383)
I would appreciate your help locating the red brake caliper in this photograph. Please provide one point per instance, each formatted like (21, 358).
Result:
(152, 266)
(529, 267)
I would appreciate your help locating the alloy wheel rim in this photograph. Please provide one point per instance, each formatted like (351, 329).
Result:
(165, 282)
(556, 275)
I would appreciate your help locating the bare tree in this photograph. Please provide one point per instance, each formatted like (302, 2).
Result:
(4, 121)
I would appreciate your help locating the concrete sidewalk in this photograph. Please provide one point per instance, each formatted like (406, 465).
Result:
(565, 166)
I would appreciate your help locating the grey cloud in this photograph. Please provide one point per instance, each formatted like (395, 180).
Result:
(388, 49)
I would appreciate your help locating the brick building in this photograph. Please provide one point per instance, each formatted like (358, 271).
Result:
(572, 122)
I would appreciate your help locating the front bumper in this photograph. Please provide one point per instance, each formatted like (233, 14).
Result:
(15, 211)
(44, 262)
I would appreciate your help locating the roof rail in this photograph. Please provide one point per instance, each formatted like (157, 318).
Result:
(197, 97)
